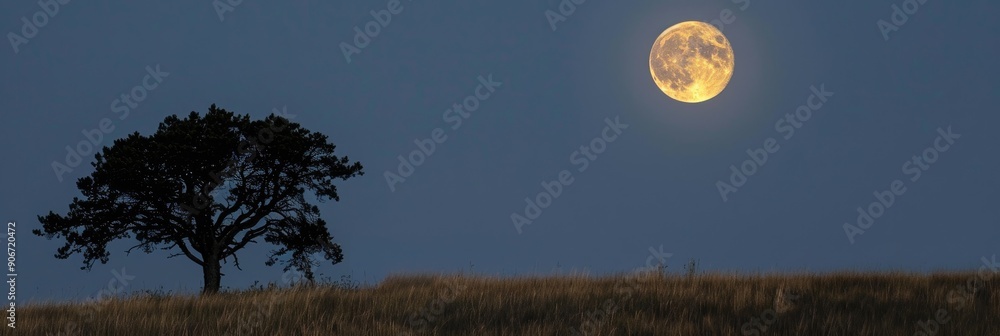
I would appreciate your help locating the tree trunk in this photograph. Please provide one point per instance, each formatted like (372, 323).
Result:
(213, 275)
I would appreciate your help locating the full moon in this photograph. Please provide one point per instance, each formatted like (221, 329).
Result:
(691, 61)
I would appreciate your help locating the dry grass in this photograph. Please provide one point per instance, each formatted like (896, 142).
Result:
(711, 304)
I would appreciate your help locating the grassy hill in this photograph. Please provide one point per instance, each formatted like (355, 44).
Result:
(649, 304)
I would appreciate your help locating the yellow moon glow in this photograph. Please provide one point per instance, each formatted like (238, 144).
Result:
(691, 61)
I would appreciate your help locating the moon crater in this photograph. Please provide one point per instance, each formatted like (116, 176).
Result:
(691, 61)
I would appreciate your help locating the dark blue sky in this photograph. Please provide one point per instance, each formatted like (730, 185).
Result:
(655, 184)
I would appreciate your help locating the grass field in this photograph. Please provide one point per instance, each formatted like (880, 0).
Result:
(649, 304)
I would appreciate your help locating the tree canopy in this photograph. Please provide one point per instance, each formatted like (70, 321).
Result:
(205, 187)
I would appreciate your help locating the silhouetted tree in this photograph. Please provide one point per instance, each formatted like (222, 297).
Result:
(208, 186)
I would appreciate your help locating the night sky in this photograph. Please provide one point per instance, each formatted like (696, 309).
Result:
(537, 96)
